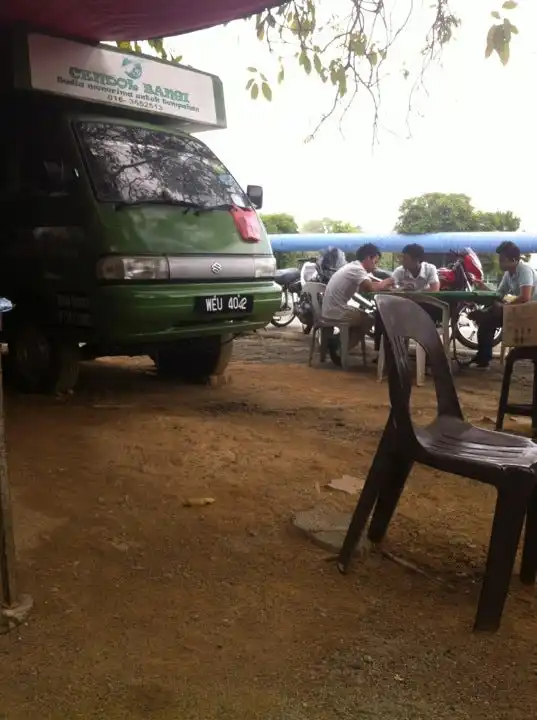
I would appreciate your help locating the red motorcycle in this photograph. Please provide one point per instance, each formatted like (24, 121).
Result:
(463, 274)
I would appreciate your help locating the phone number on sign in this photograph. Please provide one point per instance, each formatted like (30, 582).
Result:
(146, 104)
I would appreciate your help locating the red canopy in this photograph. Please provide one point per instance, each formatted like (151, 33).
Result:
(126, 19)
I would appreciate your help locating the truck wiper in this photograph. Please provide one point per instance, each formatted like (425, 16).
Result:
(188, 206)
(120, 204)
(199, 207)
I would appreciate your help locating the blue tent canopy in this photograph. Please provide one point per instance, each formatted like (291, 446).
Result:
(481, 242)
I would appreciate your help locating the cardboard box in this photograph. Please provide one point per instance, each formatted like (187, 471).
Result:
(520, 325)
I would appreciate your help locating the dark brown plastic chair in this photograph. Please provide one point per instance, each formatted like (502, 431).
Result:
(524, 409)
(450, 444)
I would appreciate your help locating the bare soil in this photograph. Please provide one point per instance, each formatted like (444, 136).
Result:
(145, 608)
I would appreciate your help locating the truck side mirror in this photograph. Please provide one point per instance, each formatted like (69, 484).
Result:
(255, 195)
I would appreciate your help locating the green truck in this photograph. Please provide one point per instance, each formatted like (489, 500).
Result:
(122, 233)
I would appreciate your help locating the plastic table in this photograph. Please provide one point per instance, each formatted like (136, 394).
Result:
(453, 299)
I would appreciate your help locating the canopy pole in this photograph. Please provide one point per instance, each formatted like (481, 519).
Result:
(7, 540)
(14, 608)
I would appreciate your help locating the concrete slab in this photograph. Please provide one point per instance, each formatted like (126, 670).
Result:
(327, 528)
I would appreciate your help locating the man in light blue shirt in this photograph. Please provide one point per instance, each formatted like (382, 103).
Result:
(519, 280)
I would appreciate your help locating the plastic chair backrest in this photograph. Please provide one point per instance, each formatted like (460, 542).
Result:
(404, 319)
(315, 291)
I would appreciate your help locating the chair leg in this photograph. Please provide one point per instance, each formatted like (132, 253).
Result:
(504, 395)
(314, 332)
(344, 338)
(364, 351)
(504, 540)
(420, 365)
(326, 334)
(373, 485)
(445, 332)
(534, 401)
(528, 565)
(388, 499)
(380, 361)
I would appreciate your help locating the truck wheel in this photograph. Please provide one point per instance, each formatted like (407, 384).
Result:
(194, 360)
(39, 363)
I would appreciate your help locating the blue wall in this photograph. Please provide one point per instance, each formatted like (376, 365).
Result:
(484, 242)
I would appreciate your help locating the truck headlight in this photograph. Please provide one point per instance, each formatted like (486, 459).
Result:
(114, 267)
(265, 267)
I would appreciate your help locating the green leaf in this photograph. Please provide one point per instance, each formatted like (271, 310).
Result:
(254, 92)
(514, 29)
(358, 44)
(250, 83)
(305, 61)
(271, 21)
(495, 14)
(498, 38)
(490, 41)
(260, 32)
(125, 45)
(267, 92)
(252, 69)
(157, 44)
(281, 75)
(510, 5)
(503, 53)
(317, 64)
(373, 58)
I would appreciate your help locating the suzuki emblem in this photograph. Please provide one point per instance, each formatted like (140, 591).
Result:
(216, 267)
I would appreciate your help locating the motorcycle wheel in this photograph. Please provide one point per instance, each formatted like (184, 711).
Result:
(286, 313)
(466, 329)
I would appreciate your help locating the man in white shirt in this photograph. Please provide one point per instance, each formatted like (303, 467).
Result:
(414, 273)
(347, 281)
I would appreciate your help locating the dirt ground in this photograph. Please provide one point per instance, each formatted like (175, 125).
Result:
(145, 608)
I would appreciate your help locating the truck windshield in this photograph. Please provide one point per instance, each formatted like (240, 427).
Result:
(135, 165)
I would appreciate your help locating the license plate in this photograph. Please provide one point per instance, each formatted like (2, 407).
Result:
(224, 304)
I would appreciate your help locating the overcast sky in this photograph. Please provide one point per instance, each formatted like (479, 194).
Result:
(473, 133)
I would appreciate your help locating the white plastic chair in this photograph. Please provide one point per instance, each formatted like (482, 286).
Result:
(421, 299)
(326, 326)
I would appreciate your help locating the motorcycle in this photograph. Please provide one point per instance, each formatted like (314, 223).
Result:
(463, 274)
(289, 281)
(296, 303)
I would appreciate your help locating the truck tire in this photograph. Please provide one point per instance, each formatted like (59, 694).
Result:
(194, 360)
(38, 362)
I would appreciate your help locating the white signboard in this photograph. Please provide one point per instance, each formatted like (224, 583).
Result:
(97, 74)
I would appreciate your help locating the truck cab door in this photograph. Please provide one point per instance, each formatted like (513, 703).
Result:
(46, 218)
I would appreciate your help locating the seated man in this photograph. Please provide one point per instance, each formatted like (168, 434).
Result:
(352, 278)
(414, 273)
(519, 280)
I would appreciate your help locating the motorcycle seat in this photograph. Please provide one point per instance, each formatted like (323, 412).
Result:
(286, 276)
